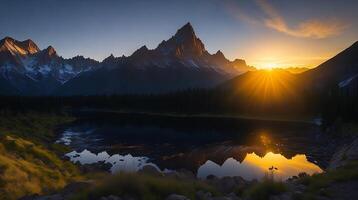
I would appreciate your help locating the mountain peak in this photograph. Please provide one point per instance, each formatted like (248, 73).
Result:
(183, 44)
(17, 47)
(187, 29)
(219, 54)
(29, 46)
(50, 51)
(141, 51)
(143, 48)
(7, 39)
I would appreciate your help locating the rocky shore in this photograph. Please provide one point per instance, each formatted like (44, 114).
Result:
(340, 181)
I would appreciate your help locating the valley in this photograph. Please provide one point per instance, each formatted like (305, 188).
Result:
(178, 100)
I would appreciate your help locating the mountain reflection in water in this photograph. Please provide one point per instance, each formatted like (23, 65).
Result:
(255, 167)
(202, 145)
(252, 167)
(127, 163)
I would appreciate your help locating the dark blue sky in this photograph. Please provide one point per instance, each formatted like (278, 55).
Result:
(265, 33)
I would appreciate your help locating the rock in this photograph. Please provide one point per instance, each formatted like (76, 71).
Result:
(220, 198)
(284, 196)
(111, 197)
(233, 196)
(228, 184)
(181, 174)
(345, 154)
(148, 169)
(302, 175)
(344, 190)
(176, 197)
(211, 177)
(75, 187)
(201, 195)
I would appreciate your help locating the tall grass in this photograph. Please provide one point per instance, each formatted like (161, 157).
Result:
(317, 182)
(265, 188)
(144, 186)
(28, 162)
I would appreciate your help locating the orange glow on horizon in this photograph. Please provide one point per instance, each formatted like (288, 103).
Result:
(285, 167)
(268, 86)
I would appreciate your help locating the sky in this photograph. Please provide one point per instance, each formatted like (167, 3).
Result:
(266, 33)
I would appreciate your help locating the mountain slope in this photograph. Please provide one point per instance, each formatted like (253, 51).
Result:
(31, 71)
(335, 71)
(264, 87)
(178, 63)
(280, 90)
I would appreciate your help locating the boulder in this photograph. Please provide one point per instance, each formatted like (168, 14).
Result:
(111, 197)
(201, 195)
(176, 197)
(228, 184)
(344, 155)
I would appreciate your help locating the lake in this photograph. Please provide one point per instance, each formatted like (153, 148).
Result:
(203, 145)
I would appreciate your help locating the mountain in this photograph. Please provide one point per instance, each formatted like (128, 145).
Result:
(338, 71)
(178, 63)
(279, 90)
(27, 70)
(264, 88)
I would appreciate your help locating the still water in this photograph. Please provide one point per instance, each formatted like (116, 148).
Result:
(205, 146)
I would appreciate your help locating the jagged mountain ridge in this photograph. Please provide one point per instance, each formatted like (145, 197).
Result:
(180, 62)
(31, 71)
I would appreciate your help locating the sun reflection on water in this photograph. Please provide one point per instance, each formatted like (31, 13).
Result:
(256, 167)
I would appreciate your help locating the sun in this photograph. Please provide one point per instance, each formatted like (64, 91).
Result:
(269, 66)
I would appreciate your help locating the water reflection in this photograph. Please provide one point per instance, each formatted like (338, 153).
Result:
(127, 163)
(252, 167)
(255, 167)
(218, 146)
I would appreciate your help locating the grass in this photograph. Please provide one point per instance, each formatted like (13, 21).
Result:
(264, 189)
(38, 127)
(29, 163)
(144, 186)
(317, 182)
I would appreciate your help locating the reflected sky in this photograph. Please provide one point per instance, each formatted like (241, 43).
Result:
(252, 167)
(203, 146)
(255, 167)
(127, 163)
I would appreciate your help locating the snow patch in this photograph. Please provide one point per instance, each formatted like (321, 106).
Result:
(192, 63)
(347, 81)
(45, 69)
(28, 63)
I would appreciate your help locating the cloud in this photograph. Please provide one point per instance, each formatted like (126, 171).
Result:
(312, 28)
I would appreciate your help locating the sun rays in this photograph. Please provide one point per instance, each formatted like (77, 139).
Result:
(267, 87)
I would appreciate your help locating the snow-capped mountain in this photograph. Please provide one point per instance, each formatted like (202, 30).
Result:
(33, 71)
(180, 62)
